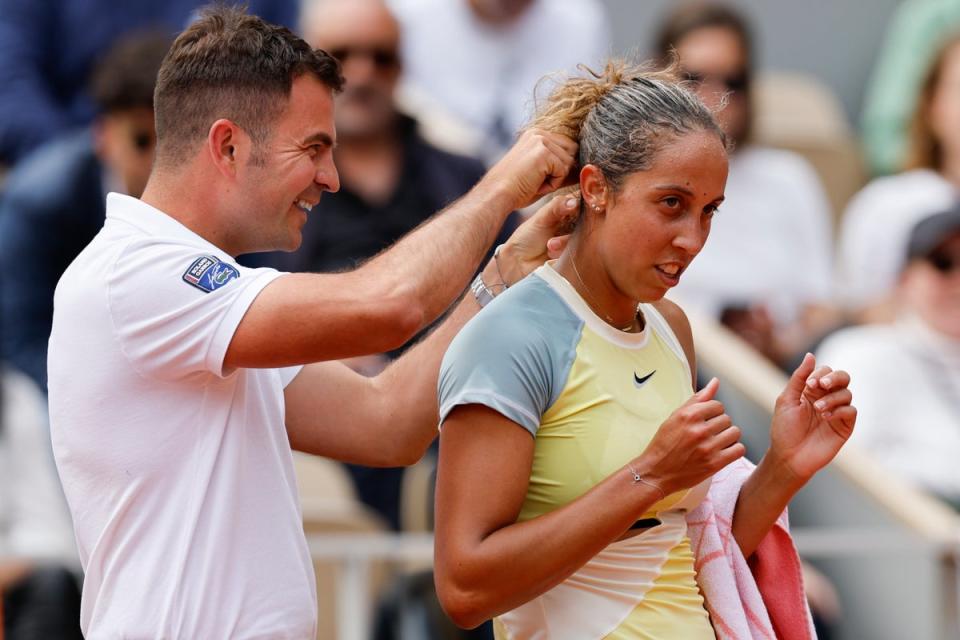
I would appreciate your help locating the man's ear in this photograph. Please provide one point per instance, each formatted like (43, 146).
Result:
(227, 146)
(593, 189)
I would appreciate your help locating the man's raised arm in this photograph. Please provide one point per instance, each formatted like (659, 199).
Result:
(390, 420)
(302, 318)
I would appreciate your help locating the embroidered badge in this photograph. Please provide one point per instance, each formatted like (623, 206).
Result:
(209, 274)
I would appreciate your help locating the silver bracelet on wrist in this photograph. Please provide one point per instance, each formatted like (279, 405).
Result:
(496, 265)
(484, 292)
(481, 292)
(637, 478)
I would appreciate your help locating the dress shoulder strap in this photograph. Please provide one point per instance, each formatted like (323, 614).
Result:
(662, 328)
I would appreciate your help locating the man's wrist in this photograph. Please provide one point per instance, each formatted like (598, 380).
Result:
(487, 285)
(507, 267)
(495, 195)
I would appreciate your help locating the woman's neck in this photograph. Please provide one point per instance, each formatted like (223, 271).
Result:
(591, 281)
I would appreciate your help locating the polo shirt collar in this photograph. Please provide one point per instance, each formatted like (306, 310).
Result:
(151, 220)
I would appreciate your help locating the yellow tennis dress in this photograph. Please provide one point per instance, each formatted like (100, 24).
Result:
(592, 397)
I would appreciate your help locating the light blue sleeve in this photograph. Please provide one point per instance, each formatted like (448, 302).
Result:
(513, 357)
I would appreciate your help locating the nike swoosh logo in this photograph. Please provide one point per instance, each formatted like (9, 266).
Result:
(639, 382)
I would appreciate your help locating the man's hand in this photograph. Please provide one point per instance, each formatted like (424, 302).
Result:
(537, 240)
(537, 164)
(812, 420)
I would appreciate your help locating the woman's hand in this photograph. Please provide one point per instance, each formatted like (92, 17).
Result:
(812, 419)
(696, 441)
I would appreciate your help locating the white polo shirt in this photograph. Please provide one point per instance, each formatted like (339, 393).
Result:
(178, 473)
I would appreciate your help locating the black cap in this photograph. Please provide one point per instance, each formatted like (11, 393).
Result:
(932, 231)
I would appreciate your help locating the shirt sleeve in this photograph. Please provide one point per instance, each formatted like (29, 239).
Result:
(287, 374)
(175, 308)
(505, 359)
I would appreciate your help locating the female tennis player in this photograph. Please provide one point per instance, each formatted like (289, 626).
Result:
(584, 490)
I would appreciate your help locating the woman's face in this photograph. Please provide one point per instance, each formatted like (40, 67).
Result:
(945, 104)
(716, 62)
(649, 232)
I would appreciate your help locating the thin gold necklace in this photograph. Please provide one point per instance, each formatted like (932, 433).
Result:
(592, 303)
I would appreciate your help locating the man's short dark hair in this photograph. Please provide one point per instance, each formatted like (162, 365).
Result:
(125, 77)
(229, 64)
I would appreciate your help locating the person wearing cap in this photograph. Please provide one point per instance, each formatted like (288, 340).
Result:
(917, 357)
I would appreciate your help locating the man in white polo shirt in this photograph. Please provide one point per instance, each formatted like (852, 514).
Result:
(176, 381)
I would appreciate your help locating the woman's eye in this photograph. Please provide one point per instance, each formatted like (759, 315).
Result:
(710, 210)
(672, 202)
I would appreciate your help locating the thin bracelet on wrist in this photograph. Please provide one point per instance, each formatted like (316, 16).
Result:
(496, 265)
(637, 478)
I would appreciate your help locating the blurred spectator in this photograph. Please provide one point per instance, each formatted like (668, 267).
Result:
(877, 222)
(480, 59)
(38, 587)
(915, 32)
(905, 376)
(765, 270)
(391, 179)
(54, 200)
(48, 47)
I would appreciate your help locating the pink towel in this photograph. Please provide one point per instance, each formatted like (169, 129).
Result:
(747, 601)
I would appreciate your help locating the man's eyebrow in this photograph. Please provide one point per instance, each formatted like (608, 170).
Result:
(321, 138)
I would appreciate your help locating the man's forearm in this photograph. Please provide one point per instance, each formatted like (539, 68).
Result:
(432, 265)
(435, 262)
(408, 386)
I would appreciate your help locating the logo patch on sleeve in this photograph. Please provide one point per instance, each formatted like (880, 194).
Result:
(209, 274)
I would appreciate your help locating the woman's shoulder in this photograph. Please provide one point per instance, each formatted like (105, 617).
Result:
(528, 315)
(678, 324)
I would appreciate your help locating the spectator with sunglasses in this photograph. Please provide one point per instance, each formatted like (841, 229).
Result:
(907, 373)
(877, 221)
(54, 199)
(766, 272)
(391, 178)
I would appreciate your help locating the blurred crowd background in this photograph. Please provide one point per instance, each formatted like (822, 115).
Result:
(840, 233)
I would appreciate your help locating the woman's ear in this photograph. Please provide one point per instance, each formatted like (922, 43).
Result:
(593, 187)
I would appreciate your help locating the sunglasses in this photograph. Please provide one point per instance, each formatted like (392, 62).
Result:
(944, 262)
(737, 82)
(143, 141)
(383, 58)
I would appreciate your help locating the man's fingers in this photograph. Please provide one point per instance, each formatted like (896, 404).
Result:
(557, 212)
(568, 145)
(560, 161)
(556, 246)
